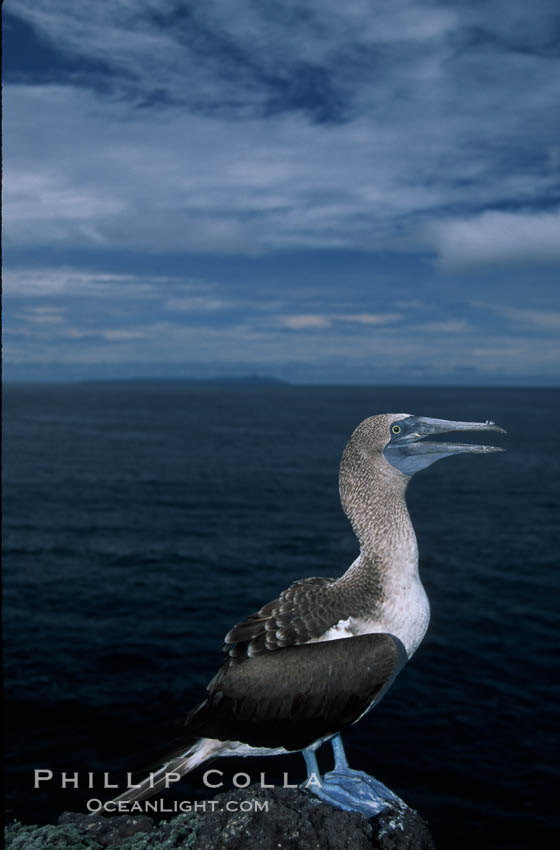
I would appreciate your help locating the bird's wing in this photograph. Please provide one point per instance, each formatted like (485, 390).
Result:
(303, 612)
(298, 695)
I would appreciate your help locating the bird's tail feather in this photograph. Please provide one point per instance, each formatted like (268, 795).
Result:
(177, 765)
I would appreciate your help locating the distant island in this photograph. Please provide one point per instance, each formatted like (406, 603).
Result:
(221, 379)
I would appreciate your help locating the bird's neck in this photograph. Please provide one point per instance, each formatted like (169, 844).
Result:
(373, 497)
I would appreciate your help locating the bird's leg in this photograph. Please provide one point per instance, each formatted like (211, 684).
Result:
(344, 788)
(340, 760)
(313, 775)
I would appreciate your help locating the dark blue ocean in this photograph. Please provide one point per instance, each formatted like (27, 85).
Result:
(142, 520)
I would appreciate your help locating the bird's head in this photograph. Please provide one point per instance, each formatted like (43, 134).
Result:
(401, 439)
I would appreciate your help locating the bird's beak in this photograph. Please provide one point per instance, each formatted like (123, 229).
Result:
(409, 451)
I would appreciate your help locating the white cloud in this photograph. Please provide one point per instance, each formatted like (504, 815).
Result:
(304, 322)
(447, 326)
(30, 282)
(110, 334)
(368, 318)
(195, 303)
(543, 319)
(498, 237)
(538, 318)
(166, 180)
(53, 203)
(42, 315)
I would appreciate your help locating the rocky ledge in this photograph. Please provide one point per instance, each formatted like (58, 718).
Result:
(248, 819)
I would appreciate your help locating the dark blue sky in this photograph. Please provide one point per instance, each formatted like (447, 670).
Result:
(355, 192)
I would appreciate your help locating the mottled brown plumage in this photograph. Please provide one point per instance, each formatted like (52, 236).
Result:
(302, 613)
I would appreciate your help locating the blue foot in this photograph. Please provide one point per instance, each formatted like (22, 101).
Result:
(354, 791)
(351, 790)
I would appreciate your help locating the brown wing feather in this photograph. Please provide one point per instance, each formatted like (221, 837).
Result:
(301, 613)
(297, 695)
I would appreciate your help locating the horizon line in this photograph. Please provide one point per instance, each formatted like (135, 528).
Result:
(269, 381)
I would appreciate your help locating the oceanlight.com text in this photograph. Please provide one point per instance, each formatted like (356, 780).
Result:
(173, 807)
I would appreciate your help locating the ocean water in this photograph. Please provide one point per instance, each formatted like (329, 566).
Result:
(142, 520)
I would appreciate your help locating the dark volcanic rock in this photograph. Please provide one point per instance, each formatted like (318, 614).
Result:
(247, 819)
(299, 821)
(401, 828)
(291, 821)
(107, 831)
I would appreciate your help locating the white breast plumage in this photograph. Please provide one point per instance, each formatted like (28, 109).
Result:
(405, 615)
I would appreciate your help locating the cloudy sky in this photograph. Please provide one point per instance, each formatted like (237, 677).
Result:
(319, 191)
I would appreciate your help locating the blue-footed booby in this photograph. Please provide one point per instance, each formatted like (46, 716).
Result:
(321, 655)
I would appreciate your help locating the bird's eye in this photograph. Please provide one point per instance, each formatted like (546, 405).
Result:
(396, 429)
